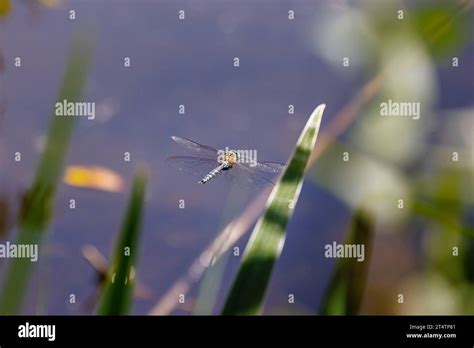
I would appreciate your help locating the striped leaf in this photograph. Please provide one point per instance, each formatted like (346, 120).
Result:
(268, 237)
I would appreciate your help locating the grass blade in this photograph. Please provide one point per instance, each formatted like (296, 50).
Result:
(266, 242)
(36, 209)
(120, 278)
(347, 285)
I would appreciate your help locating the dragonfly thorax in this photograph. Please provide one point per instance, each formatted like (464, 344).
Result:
(228, 159)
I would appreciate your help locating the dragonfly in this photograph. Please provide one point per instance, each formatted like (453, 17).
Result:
(208, 163)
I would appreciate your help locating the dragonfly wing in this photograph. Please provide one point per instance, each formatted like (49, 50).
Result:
(264, 166)
(197, 166)
(251, 176)
(270, 167)
(196, 148)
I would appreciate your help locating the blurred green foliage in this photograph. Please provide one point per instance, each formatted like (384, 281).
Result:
(442, 27)
(118, 292)
(37, 205)
(397, 158)
(346, 288)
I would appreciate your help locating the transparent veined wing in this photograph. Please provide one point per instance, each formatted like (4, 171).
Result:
(265, 166)
(197, 166)
(196, 148)
(270, 167)
(250, 175)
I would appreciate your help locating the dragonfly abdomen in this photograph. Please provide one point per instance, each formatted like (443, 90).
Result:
(213, 173)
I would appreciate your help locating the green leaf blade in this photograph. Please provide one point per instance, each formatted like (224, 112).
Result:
(36, 208)
(346, 288)
(117, 295)
(268, 237)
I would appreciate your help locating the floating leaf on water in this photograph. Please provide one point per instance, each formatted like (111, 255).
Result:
(98, 178)
(5, 8)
